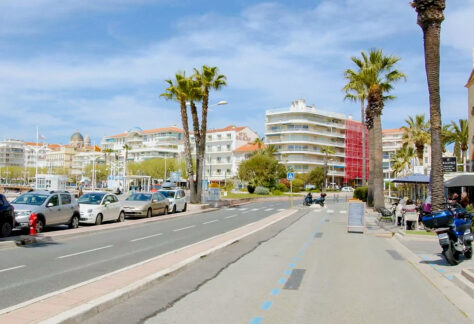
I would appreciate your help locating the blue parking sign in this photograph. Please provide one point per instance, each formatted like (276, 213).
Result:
(290, 176)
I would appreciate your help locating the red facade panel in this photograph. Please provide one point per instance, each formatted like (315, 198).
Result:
(353, 151)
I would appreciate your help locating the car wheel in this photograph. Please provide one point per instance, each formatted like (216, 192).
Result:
(185, 207)
(39, 225)
(74, 222)
(121, 217)
(5, 229)
(174, 209)
(98, 219)
(165, 212)
(149, 213)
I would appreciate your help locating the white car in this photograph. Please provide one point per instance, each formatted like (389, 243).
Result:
(177, 199)
(98, 207)
(347, 189)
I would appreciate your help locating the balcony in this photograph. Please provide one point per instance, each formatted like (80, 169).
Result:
(308, 131)
(307, 141)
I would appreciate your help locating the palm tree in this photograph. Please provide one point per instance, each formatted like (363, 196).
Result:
(326, 150)
(259, 142)
(430, 17)
(401, 161)
(377, 75)
(460, 136)
(417, 134)
(208, 78)
(177, 90)
(356, 91)
(270, 150)
(106, 152)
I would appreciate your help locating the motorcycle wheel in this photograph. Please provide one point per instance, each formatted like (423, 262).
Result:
(451, 255)
(468, 253)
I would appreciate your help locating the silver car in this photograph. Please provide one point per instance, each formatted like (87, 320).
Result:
(51, 207)
(145, 204)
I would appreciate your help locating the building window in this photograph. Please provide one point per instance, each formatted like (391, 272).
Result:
(218, 159)
(228, 147)
(219, 148)
(228, 159)
(219, 137)
(229, 135)
(228, 171)
(209, 137)
(218, 171)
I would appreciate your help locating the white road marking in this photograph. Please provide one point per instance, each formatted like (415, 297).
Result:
(78, 253)
(281, 209)
(255, 209)
(145, 237)
(212, 221)
(230, 208)
(180, 229)
(343, 211)
(230, 216)
(330, 211)
(12, 268)
(246, 212)
(243, 208)
(268, 209)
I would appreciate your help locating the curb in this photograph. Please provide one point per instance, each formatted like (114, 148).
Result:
(454, 294)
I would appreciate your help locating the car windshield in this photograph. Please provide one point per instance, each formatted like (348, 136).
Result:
(139, 197)
(167, 194)
(91, 198)
(30, 199)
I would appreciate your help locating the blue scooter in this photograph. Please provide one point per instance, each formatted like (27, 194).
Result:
(453, 227)
(319, 201)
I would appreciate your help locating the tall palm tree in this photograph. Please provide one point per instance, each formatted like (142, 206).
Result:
(417, 133)
(460, 136)
(208, 78)
(401, 161)
(177, 90)
(107, 152)
(430, 17)
(356, 91)
(326, 150)
(378, 76)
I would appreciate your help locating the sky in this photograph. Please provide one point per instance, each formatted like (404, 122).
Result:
(99, 66)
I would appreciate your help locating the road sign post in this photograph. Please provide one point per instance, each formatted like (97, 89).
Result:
(290, 176)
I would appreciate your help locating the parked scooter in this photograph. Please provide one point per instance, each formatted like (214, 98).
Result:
(453, 227)
(308, 201)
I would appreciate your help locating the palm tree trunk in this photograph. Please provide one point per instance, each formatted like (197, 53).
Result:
(430, 21)
(205, 105)
(378, 165)
(362, 118)
(370, 191)
(197, 144)
(187, 150)
(419, 153)
(464, 161)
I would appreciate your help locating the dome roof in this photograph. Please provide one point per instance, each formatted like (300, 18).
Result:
(77, 137)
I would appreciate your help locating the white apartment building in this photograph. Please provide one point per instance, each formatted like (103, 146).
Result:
(82, 159)
(221, 158)
(392, 140)
(147, 144)
(12, 153)
(300, 132)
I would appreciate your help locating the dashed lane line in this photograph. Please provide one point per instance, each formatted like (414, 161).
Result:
(12, 268)
(212, 221)
(183, 228)
(146, 237)
(83, 252)
(230, 216)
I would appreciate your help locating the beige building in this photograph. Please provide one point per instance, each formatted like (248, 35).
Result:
(470, 114)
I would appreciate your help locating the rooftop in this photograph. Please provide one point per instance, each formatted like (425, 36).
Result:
(248, 148)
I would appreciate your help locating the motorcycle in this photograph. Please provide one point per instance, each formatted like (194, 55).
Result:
(319, 201)
(453, 227)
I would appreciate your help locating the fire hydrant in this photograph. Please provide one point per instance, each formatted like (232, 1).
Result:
(32, 223)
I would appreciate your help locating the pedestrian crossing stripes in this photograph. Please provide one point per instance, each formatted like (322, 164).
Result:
(243, 208)
(330, 211)
(255, 209)
(268, 209)
(343, 211)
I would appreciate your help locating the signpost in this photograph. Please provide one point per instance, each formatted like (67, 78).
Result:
(449, 164)
(355, 217)
(290, 176)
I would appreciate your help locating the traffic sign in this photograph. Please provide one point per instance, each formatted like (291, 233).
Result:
(290, 176)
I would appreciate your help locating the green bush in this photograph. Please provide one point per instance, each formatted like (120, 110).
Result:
(298, 185)
(281, 187)
(229, 186)
(361, 193)
(251, 189)
(277, 192)
(262, 191)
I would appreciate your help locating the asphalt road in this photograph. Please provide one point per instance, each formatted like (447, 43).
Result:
(309, 271)
(35, 270)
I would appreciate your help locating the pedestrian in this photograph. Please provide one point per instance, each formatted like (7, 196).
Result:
(80, 193)
(399, 211)
(410, 207)
(464, 200)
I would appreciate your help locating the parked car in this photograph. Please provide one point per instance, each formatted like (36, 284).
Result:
(7, 217)
(347, 189)
(145, 204)
(51, 208)
(177, 199)
(98, 207)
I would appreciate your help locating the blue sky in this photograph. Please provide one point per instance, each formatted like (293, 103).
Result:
(99, 65)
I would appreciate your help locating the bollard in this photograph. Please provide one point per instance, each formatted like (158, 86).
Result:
(32, 224)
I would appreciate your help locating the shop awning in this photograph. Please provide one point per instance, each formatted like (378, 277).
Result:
(414, 178)
(464, 180)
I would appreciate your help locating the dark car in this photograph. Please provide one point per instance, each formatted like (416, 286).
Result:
(6, 217)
